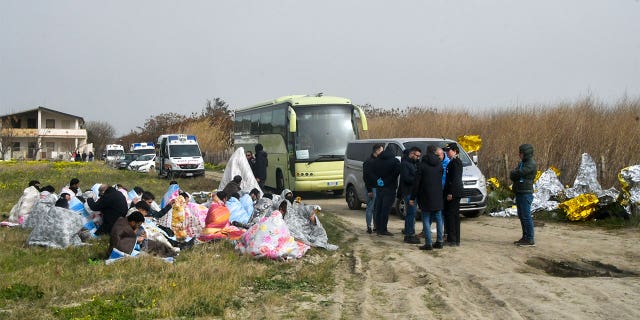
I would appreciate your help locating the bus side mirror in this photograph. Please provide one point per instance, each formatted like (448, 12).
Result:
(292, 120)
(363, 118)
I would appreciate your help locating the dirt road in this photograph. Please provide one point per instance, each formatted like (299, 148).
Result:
(573, 273)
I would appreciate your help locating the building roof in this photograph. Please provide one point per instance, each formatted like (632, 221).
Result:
(42, 109)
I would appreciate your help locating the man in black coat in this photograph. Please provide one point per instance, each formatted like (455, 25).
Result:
(427, 190)
(369, 179)
(112, 204)
(260, 166)
(387, 169)
(408, 169)
(453, 191)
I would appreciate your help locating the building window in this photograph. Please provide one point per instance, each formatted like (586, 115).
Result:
(16, 123)
(51, 124)
(32, 123)
(66, 124)
(16, 147)
(50, 146)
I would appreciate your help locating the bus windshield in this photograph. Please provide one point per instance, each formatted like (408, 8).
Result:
(323, 132)
(114, 153)
(184, 150)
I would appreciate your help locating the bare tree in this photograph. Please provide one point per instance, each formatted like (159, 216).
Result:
(7, 135)
(100, 133)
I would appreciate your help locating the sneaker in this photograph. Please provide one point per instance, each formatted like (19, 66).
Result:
(385, 233)
(522, 240)
(426, 246)
(412, 240)
(437, 245)
(369, 231)
(526, 243)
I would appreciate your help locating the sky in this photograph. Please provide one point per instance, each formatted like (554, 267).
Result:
(126, 61)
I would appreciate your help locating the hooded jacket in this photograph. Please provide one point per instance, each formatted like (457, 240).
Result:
(368, 176)
(408, 169)
(113, 205)
(524, 174)
(261, 165)
(387, 168)
(427, 188)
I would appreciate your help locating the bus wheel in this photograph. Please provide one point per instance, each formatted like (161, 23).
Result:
(279, 181)
(352, 199)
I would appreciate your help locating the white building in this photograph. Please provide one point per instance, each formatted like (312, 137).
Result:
(42, 133)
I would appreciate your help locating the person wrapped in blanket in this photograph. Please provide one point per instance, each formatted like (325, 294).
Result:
(217, 221)
(270, 238)
(151, 231)
(304, 223)
(125, 238)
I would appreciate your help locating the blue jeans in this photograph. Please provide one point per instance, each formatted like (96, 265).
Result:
(384, 201)
(371, 204)
(427, 217)
(523, 204)
(410, 217)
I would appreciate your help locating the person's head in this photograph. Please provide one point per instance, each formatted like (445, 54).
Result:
(249, 154)
(377, 149)
(255, 194)
(525, 151)
(135, 219)
(172, 182)
(235, 195)
(65, 196)
(289, 196)
(74, 182)
(237, 179)
(440, 153)
(48, 188)
(223, 196)
(259, 147)
(431, 149)
(142, 207)
(283, 207)
(452, 150)
(185, 196)
(147, 197)
(138, 190)
(35, 183)
(415, 153)
(102, 189)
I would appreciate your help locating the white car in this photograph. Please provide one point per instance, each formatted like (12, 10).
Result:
(144, 163)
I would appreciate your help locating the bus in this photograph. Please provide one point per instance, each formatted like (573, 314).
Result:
(305, 137)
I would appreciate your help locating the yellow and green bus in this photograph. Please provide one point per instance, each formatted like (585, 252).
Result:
(305, 137)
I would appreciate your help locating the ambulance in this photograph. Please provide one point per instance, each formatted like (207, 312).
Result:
(113, 153)
(179, 155)
(142, 148)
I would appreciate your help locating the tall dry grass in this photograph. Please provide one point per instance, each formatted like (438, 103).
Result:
(560, 134)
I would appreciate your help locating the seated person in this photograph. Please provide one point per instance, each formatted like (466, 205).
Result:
(63, 201)
(233, 186)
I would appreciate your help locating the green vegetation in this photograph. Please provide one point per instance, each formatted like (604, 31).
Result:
(210, 280)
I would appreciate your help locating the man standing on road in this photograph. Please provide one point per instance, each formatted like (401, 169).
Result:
(408, 168)
(261, 164)
(522, 177)
(386, 170)
(369, 179)
(453, 191)
(428, 191)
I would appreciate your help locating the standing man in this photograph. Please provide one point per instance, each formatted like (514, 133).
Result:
(445, 161)
(408, 169)
(522, 177)
(453, 191)
(261, 164)
(386, 170)
(369, 179)
(428, 191)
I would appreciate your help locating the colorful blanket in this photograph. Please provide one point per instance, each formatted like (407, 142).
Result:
(270, 238)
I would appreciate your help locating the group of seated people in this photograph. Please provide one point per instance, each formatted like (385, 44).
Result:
(263, 225)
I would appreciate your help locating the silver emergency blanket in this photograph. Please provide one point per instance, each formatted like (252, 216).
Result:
(547, 186)
(298, 221)
(21, 209)
(631, 176)
(586, 179)
(53, 226)
(239, 166)
(46, 202)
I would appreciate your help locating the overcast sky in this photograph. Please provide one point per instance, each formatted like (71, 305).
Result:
(125, 61)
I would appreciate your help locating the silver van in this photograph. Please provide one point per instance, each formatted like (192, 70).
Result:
(475, 192)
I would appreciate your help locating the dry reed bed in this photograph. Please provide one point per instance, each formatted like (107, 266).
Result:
(560, 134)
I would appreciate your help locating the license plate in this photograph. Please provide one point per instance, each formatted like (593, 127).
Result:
(466, 200)
(332, 183)
(189, 174)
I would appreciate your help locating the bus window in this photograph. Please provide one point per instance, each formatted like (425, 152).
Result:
(255, 123)
(279, 120)
(265, 122)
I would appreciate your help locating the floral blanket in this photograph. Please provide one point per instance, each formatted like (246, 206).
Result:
(270, 238)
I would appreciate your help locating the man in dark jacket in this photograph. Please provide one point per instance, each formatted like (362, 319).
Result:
(386, 170)
(123, 233)
(260, 166)
(427, 190)
(112, 204)
(408, 168)
(453, 191)
(233, 186)
(370, 183)
(522, 177)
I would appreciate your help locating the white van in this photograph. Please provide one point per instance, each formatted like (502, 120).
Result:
(475, 191)
(113, 153)
(141, 148)
(179, 155)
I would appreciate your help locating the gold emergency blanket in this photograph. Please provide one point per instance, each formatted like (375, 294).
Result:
(580, 208)
(470, 143)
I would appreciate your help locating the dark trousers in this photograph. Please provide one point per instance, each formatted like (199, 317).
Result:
(452, 220)
(384, 201)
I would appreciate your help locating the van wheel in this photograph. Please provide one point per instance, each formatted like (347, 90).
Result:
(279, 182)
(352, 199)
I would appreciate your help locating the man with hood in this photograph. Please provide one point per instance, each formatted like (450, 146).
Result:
(260, 166)
(387, 169)
(408, 168)
(112, 204)
(522, 177)
(427, 190)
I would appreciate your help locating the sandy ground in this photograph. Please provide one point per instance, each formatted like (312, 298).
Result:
(573, 273)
